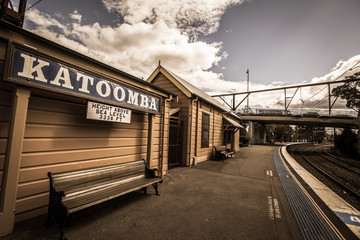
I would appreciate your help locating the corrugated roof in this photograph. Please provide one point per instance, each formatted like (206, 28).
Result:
(233, 122)
(197, 92)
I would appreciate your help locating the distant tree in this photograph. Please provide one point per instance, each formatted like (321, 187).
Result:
(244, 138)
(304, 132)
(310, 133)
(319, 134)
(346, 142)
(279, 133)
(270, 132)
(350, 91)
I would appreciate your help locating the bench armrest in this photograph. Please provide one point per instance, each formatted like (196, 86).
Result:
(59, 194)
(153, 173)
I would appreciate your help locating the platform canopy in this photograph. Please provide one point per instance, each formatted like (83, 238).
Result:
(231, 124)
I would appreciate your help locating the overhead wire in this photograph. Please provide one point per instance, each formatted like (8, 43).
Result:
(33, 5)
(324, 99)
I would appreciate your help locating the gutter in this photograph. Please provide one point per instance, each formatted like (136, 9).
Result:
(196, 130)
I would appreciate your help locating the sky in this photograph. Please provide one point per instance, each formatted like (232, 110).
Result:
(210, 43)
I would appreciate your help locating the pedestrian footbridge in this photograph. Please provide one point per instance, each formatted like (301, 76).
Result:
(294, 120)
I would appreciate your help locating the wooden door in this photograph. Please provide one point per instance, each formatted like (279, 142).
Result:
(175, 145)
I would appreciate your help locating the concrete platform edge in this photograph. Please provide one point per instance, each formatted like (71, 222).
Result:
(347, 213)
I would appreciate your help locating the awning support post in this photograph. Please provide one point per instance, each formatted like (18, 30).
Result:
(12, 159)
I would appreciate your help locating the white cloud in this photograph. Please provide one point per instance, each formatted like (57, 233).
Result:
(134, 48)
(192, 17)
(343, 68)
(338, 65)
(166, 31)
(76, 16)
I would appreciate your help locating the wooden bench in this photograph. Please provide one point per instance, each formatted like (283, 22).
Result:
(76, 190)
(221, 152)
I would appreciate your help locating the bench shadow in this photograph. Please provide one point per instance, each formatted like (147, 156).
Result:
(96, 212)
(35, 228)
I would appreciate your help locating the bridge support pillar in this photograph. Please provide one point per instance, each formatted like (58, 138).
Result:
(257, 133)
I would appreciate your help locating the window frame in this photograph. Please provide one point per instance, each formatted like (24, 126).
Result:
(205, 130)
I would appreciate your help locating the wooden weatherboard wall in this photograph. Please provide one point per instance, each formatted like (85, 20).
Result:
(56, 136)
(183, 102)
(215, 132)
(192, 108)
(5, 110)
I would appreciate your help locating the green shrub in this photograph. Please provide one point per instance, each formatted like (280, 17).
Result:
(244, 140)
(347, 143)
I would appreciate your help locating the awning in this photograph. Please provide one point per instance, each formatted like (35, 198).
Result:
(174, 110)
(232, 123)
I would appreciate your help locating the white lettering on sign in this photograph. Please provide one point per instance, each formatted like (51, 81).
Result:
(29, 68)
(45, 73)
(355, 219)
(104, 112)
(122, 94)
(64, 76)
(85, 81)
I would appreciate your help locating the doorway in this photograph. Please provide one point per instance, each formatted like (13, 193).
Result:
(175, 137)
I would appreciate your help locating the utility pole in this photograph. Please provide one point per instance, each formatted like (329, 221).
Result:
(247, 106)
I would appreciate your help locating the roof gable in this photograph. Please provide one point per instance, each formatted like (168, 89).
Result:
(171, 78)
(187, 88)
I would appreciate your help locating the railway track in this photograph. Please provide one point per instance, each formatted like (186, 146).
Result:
(341, 177)
(321, 150)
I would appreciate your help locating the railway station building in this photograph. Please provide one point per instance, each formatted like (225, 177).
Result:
(62, 111)
(198, 122)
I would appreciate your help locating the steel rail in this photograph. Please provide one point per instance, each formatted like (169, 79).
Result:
(336, 163)
(336, 181)
(350, 164)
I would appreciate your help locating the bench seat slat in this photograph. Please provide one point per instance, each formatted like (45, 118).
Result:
(88, 199)
(222, 152)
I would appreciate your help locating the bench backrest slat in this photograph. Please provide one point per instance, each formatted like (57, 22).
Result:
(68, 180)
(220, 148)
(71, 195)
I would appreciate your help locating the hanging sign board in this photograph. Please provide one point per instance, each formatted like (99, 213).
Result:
(37, 71)
(104, 112)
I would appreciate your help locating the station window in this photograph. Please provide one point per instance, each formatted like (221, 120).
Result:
(205, 130)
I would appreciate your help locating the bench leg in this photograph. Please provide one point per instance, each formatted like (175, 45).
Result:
(144, 190)
(49, 216)
(218, 156)
(155, 185)
(68, 220)
(50, 209)
(61, 226)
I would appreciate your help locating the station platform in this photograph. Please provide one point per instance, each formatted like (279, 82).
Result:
(241, 198)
